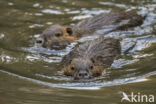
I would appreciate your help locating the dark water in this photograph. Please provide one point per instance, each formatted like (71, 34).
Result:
(31, 75)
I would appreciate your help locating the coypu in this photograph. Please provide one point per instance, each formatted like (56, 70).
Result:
(90, 58)
(58, 37)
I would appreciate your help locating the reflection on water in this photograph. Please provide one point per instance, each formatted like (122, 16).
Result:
(21, 22)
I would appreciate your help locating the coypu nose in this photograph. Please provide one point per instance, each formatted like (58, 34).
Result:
(39, 41)
(83, 74)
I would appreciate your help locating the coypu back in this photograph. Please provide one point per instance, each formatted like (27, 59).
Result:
(107, 22)
(102, 51)
(58, 37)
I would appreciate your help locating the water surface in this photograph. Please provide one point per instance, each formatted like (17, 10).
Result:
(31, 75)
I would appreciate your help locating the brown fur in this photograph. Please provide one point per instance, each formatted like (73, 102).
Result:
(106, 22)
(91, 57)
(55, 37)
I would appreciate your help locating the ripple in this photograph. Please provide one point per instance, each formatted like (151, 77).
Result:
(38, 14)
(94, 11)
(113, 4)
(36, 25)
(10, 3)
(81, 17)
(142, 42)
(59, 53)
(36, 5)
(2, 35)
(47, 55)
(72, 12)
(57, 78)
(6, 58)
(50, 11)
(122, 62)
(86, 85)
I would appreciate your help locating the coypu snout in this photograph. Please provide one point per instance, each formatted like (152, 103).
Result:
(80, 69)
(39, 41)
(82, 74)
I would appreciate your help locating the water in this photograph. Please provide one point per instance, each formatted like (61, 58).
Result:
(31, 75)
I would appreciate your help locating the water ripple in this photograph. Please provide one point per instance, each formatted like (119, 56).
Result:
(87, 85)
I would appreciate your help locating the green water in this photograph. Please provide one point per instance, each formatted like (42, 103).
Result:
(32, 76)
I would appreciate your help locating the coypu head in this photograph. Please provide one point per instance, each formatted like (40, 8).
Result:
(80, 68)
(56, 37)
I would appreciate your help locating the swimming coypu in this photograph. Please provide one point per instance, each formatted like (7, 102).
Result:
(58, 37)
(90, 58)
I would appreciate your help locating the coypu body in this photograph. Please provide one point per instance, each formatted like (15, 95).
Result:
(58, 37)
(91, 58)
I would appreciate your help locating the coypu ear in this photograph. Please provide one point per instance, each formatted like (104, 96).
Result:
(69, 30)
(92, 60)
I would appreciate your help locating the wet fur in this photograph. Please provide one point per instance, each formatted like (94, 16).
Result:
(109, 21)
(106, 22)
(101, 52)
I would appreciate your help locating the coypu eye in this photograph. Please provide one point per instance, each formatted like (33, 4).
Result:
(72, 68)
(69, 31)
(58, 34)
(91, 67)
